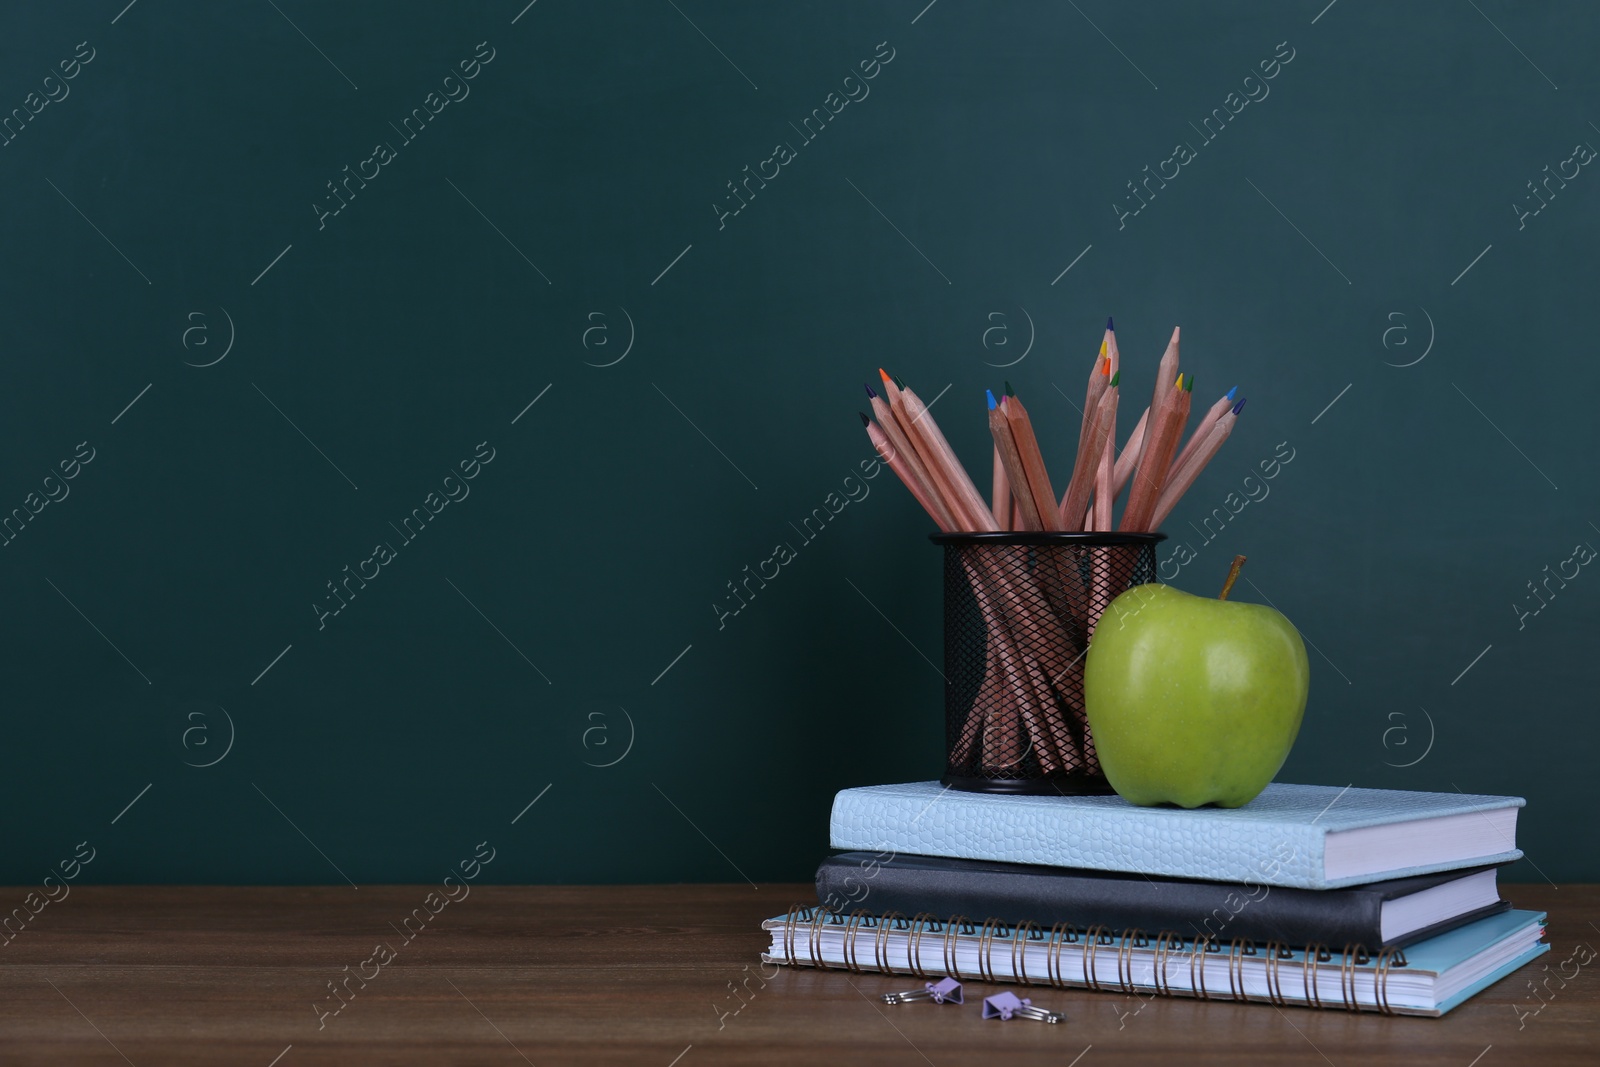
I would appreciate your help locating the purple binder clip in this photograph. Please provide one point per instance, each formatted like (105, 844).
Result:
(944, 991)
(1007, 1005)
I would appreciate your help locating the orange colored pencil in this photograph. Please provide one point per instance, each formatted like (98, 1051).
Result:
(940, 458)
(890, 389)
(903, 446)
(1099, 515)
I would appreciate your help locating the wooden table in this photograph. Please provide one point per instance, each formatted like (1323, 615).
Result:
(640, 975)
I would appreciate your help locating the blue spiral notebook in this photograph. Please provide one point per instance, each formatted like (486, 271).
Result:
(1303, 836)
(1427, 978)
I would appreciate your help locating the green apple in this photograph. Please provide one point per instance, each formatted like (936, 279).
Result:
(1193, 700)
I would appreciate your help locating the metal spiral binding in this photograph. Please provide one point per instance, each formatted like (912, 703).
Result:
(1021, 934)
(858, 919)
(1380, 979)
(1093, 937)
(1164, 945)
(1197, 985)
(818, 920)
(880, 943)
(1354, 957)
(1061, 935)
(1131, 938)
(1316, 953)
(953, 928)
(1276, 951)
(920, 924)
(991, 928)
(1238, 949)
(796, 911)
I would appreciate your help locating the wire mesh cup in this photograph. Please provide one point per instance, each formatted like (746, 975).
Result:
(1019, 610)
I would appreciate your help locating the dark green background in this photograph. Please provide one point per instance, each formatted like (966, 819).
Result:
(597, 141)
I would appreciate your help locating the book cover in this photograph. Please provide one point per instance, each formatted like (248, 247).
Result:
(1284, 837)
(913, 885)
(1436, 976)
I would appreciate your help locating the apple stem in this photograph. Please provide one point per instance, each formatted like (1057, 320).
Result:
(1233, 576)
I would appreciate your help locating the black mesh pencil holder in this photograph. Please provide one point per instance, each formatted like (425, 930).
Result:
(1019, 610)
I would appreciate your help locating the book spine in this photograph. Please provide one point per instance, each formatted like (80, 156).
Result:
(1253, 910)
(933, 948)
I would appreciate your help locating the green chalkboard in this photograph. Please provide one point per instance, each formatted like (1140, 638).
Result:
(397, 397)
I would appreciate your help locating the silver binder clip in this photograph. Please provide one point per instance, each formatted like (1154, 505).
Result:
(944, 991)
(1009, 1005)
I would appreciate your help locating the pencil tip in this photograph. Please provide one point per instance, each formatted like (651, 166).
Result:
(1115, 378)
(1111, 326)
(1188, 386)
(1239, 406)
(989, 393)
(864, 420)
(884, 375)
(1235, 389)
(899, 382)
(1010, 391)
(870, 394)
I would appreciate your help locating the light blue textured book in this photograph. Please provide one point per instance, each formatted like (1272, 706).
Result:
(1427, 978)
(1303, 836)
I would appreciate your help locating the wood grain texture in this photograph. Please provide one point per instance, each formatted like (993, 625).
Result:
(643, 975)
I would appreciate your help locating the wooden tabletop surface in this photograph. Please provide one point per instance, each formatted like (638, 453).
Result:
(546, 975)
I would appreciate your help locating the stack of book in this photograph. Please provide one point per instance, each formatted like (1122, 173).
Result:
(1362, 899)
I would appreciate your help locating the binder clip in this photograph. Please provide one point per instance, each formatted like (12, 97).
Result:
(944, 991)
(1006, 1005)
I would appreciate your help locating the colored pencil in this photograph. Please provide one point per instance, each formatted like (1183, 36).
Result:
(890, 427)
(1202, 428)
(1000, 493)
(934, 463)
(890, 388)
(1160, 442)
(1076, 500)
(1005, 447)
(1099, 515)
(1099, 377)
(1128, 458)
(1184, 475)
(1038, 483)
(924, 433)
(896, 458)
(1166, 371)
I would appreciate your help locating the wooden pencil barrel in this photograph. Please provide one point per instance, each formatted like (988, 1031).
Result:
(1019, 612)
